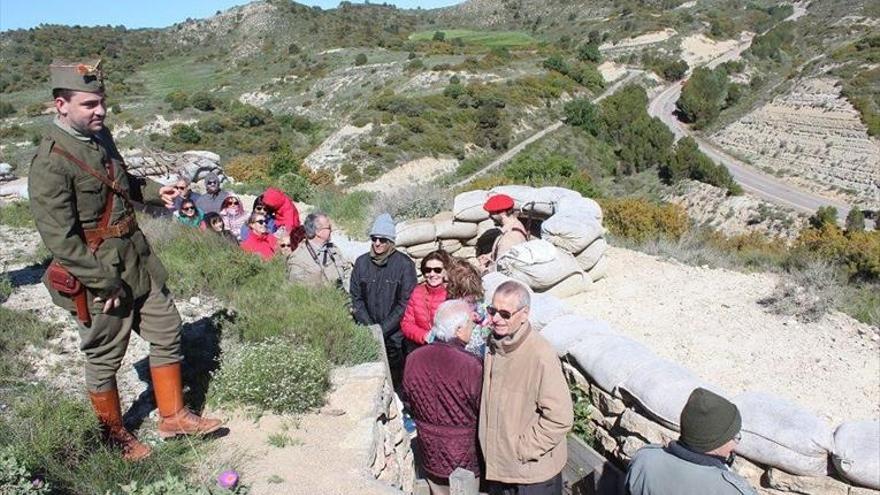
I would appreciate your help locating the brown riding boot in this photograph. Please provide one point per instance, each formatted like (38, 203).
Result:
(106, 405)
(175, 418)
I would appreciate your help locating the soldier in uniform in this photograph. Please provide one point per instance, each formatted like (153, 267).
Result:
(103, 268)
(698, 463)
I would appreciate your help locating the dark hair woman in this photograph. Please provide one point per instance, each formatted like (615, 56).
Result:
(188, 214)
(425, 299)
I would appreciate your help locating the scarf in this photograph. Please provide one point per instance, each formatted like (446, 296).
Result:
(381, 259)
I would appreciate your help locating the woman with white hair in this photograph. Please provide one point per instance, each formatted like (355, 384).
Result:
(443, 382)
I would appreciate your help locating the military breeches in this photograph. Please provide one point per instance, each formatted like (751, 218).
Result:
(154, 317)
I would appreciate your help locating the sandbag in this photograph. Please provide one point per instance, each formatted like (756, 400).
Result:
(857, 452)
(520, 194)
(468, 206)
(571, 233)
(579, 206)
(572, 285)
(546, 308)
(421, 250)
(450, 245)
(592, 254)
(470, 242)
(446, 227)
(413, 232)
(599, 270)
(466, 252)
(351, 250)
(537, 263)
(662, 388)
(565, 331)
(782, 434)
(610, 359)
(491, 281)
(555, 193)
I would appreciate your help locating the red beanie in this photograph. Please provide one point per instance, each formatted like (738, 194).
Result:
(498, 203)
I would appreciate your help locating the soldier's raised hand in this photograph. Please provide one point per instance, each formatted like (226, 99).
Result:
(168, 193)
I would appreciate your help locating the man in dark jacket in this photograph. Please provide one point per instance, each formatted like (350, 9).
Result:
(381, 283)
(443, 382)
(697, 464)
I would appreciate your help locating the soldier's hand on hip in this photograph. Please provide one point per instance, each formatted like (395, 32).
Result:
(111, 302)
(168, 193)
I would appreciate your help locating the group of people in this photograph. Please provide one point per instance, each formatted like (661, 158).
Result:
(486, 391)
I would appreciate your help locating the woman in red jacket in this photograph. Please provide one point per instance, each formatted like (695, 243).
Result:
(286, 214)
(425, 299)
(260, 241)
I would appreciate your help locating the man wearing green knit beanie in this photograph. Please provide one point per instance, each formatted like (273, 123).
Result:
(698, 463)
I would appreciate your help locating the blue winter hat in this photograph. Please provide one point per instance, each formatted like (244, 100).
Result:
(383, 227)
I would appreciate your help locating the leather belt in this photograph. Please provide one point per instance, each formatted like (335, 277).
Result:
(125, 226)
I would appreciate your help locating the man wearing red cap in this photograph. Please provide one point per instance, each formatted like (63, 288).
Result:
(501, 211)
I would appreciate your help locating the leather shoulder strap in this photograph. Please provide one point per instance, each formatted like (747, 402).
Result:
(89, 170)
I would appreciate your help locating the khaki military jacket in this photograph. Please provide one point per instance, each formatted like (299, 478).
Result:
(65, 200)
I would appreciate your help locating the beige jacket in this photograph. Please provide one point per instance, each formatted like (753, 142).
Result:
(525, 410)
(316, 267)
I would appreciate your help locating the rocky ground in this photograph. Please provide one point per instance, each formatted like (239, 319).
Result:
(733, 215)
(710, 321)
(812, 137)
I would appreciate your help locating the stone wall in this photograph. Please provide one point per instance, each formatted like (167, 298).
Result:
(622, 428)
(391, 458)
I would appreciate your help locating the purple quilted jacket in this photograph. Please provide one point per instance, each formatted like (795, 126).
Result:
(443, 383)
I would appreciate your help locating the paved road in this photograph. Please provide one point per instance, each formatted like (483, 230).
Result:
(753, 181)
(512, 152)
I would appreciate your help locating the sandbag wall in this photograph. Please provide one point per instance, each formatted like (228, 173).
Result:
(567, 258)
(637, 398)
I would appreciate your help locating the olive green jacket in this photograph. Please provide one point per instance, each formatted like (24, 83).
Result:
(65, 200)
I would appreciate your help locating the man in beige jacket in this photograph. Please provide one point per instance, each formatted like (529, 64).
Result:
(525, 410)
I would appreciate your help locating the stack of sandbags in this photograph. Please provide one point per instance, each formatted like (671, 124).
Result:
(419, 237)
(577, 228)
(545, 268)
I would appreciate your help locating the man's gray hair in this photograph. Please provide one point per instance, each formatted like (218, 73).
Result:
(310, 224)
(513, 287)
(449, 317)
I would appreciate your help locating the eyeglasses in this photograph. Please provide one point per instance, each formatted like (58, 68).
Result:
(284, 245)
(261, 222)
(380, 240)
(181, 188)
(259, 207)
(211, 183)
(187, 208)
(436, 269)
(230, 203)
(503, 313)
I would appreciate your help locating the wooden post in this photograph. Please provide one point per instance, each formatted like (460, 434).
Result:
(463, 482)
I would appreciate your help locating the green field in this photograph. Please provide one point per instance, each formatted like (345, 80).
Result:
(173, 74)
(490, 39)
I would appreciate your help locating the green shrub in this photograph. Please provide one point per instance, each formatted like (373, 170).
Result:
(17, 214)
(248, 168)
(825, 215)
(175, 485)
(185, 133)
(703, 96)
(297, 187)
(247, 116)
(688, 162)
(582, 113)
(439, 36)
(855, 220)
(178, 100)
(204, 101)
(589, 52)
(274, 375)
(639, 220)
(360, 59)
(857, 252)
(526, 169)
(348, 211)
(6, 109)
(15, 479)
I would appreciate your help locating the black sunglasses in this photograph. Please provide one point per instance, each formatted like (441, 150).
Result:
(181, 188)
(187, 208)
(211, 183)
(284, 245)
(261, 222)
(503, 313)
(436, 269)
(380, 240)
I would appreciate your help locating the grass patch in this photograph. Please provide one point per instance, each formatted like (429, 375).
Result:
(177, 74)
(266, 305)
(348, 211)
(273, 375)
(489, 39)
(57, 439)
(18, 330)
(17, 214)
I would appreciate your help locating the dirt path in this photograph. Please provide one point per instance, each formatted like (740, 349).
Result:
(325, 453)
(709, 321)
(512, 152)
